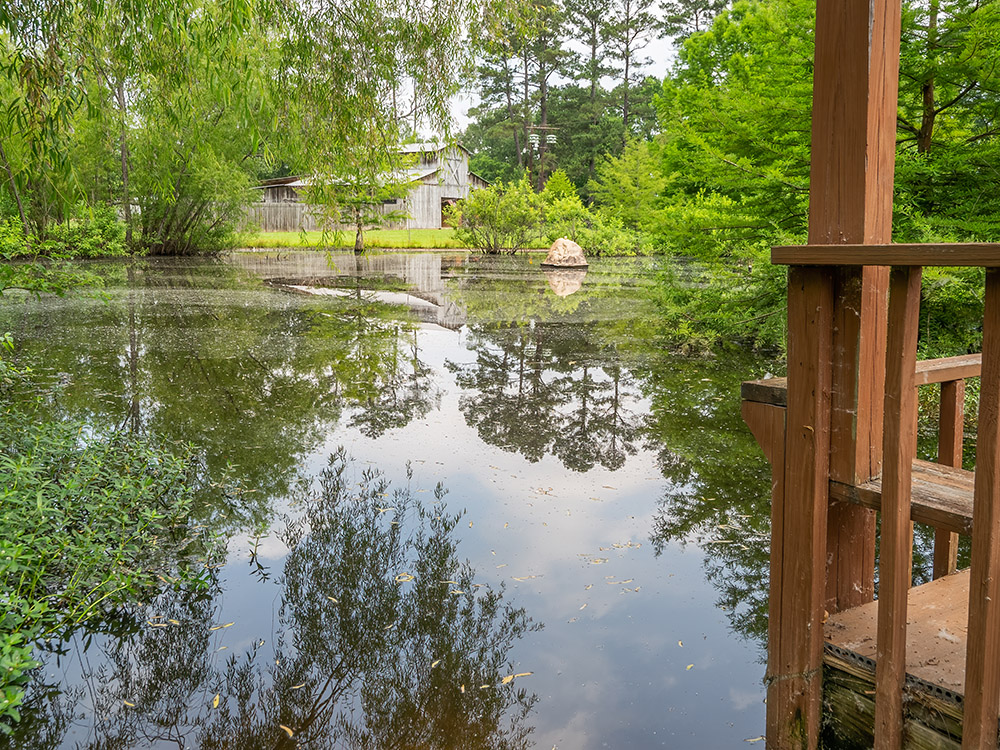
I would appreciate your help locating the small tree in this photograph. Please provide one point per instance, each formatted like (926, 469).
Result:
(498, 219)
(361, 202)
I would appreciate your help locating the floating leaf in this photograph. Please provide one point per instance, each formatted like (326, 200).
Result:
(583, 606)
(435, 663)
(453, 583)
(174, 622)
(523, 674)
(615, 583)
(215, 701)
(506, 525)
(462, 688)
(506, 680)
(289, 731)
(298, 687)
(588, 587)
(335, 601)
(156, 624)
(680, 643)
(689, 667)
(470, 524)
(130, 705)
(754, 739)
(404, 578)
(457, 591)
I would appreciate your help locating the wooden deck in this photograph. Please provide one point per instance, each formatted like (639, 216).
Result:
(936, 640)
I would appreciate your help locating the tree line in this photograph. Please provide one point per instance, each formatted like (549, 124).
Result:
(711, 163)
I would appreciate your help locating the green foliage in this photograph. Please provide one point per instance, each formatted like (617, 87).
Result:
(95, 232)
(502, 218)
(87, 522)
(558, 186)
(714, 305)
(630, 187)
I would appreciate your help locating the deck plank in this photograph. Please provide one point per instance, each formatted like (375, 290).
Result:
(936, 631)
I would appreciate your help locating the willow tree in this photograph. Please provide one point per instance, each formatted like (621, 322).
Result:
(194, 94)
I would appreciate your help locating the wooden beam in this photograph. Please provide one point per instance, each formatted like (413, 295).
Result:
(900, 446)
(767, 423)
(798, 526)
(983, 254)
(950, 432)
(772, 390)
(982, 668)
(949, 368)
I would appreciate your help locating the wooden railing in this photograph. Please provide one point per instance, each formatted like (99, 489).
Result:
(950, 373)
(805, 416)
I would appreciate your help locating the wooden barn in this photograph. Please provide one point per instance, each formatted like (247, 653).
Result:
(439, 174)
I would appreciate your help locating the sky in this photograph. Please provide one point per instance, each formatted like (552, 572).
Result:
(660, 52)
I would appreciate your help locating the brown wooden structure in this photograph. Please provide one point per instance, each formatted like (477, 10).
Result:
(840, 434)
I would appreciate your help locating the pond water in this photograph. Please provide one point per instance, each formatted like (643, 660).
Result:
(463, 503)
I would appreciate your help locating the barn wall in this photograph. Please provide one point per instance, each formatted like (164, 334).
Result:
(282, 213)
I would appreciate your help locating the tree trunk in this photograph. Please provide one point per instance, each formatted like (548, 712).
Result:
(14, 190)
(926, 134)
(123, 148)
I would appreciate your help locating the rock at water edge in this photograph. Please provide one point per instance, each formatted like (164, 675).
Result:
(565, 253)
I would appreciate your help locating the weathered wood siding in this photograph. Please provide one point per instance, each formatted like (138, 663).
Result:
(450, 181)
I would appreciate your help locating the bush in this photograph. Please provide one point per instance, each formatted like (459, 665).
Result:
(95, 232)
(87, 523)
(502, 218)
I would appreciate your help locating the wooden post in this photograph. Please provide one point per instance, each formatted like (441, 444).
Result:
(850, 201)
(798, 519)
(900, 446)
(982, 667)
(952, 425)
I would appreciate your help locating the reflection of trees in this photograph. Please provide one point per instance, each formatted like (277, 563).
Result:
(385, 641)
(547, 388)
(720, 484)
(200, 353)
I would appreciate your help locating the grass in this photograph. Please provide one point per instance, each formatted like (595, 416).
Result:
(387, 238)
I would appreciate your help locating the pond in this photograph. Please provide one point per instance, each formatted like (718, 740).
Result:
(462, 503)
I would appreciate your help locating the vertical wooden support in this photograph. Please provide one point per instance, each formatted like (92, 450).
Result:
(982, 665)
(899, 448)
(952, 425)
(798, 531)
(853, 161)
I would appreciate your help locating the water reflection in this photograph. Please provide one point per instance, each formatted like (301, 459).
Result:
(719, 491)
(384, 639)
(566, 281)
(562, 423)
(548, 388)
(254, 378)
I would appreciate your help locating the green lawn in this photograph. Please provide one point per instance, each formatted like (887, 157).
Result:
(388, 238)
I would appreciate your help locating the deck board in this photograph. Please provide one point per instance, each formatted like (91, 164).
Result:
(936, 631)
(942, 496)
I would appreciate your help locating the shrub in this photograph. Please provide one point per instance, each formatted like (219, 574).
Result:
(498, 219)
(94, 232)
(87, 523)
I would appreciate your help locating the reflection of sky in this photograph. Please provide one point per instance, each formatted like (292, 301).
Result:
(614, 666)
(608, 667)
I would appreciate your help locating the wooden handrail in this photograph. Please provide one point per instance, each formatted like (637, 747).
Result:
(943, 370)
(947, 369)
(981, 254)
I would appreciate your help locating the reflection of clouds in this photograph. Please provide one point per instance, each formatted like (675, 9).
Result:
(615, 677)
(744, 699)
(267, 548)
